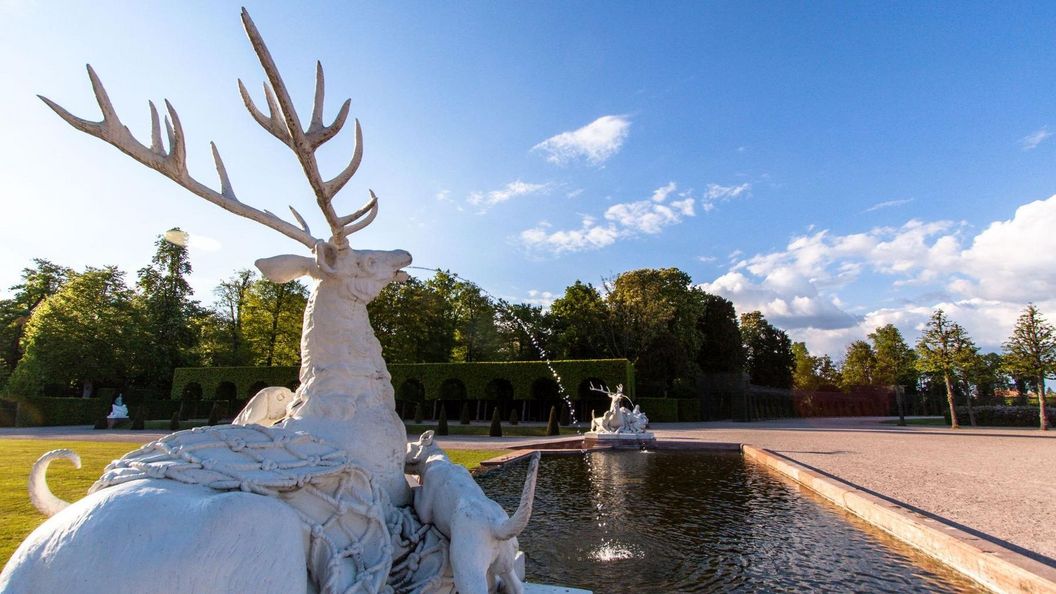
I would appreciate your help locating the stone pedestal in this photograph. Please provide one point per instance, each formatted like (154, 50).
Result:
(618, 440)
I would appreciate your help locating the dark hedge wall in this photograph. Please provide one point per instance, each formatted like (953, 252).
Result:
(431, 376)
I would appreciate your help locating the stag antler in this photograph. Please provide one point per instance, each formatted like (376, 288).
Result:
(173, 163)
(284, 124)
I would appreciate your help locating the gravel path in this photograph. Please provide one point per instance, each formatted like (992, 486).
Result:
(1000, 482)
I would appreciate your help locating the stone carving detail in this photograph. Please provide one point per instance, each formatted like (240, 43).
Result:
(317, 503)
(618, 419)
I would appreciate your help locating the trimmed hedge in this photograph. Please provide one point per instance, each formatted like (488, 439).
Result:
(659, 410)
(474, 376)
(688, 410)
(1003, 416)
(38, 412)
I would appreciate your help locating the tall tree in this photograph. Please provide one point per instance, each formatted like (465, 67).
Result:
(1031, 352)
(39, 282)
(768, 352)
(89, 332)
(523, 331)
(943, 349)
(231, 297)
(859, 366)
(412, 322)
(895, 361)
(272, 317)
(580, 323)
(721, 349)
(168, 309)
(654, 315)
(803, 372)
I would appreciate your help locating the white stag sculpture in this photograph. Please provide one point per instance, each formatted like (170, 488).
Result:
(319, 502)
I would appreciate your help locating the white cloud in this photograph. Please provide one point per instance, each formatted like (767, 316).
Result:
(1013, 259)
(982, 281)
(1032, 140)
(511, 190)
(888, 204)
(543, 299)
(589, 236)
(596, 142)
(627, 219)
(717, 192)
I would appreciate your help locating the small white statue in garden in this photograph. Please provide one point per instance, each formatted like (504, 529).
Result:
(618, 419)
(118, 412)
(318, 502)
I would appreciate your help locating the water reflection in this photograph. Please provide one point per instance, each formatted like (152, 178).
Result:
(692, 522)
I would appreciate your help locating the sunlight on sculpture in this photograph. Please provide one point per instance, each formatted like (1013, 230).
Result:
(307, 492)
(618, 423)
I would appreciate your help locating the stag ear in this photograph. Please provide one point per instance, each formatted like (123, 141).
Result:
(426, 439)
(285, 268)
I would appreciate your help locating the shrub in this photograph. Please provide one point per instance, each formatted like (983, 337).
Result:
(551, 425)
(1004, 416)
(496, 424)
(514, 417)
(174, 423)
(101, 423)
(139, 418)
(441, 421)
(214, 415)
(688, 410)
(660, 410)
(41, 412)
(419, 413)
(463, 417)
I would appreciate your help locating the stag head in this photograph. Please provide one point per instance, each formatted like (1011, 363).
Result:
(361, 270)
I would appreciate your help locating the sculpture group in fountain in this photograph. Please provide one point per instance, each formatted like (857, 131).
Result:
(618, 420)
(307, 492)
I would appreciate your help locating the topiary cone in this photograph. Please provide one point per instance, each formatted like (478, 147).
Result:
(174, 424)
(419, 413)
(463, 417)
(214, 415)
(551, 425)
(441, 423)
(514, 417)
(496, 424)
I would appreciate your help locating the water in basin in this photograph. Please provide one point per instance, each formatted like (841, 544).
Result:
(631, 521)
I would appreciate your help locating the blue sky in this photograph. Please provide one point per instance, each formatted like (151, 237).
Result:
(836, 165)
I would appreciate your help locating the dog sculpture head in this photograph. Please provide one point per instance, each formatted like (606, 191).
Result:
(420, 451)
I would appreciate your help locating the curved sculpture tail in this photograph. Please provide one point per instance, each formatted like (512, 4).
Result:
(517, 522)
(39, 493)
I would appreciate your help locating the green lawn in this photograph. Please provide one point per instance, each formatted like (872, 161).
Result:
(18, 517)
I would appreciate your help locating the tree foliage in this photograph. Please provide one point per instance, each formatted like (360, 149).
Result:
(39, 282)
(272, 317)
(87, 333)
(768, 352)
(168, 308)
(1031, 351)
(859, 366)
(895, 361)
(944, 349)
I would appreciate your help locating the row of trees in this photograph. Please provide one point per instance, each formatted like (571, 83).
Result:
(945, 360)
(669, 329)
(64, 329)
